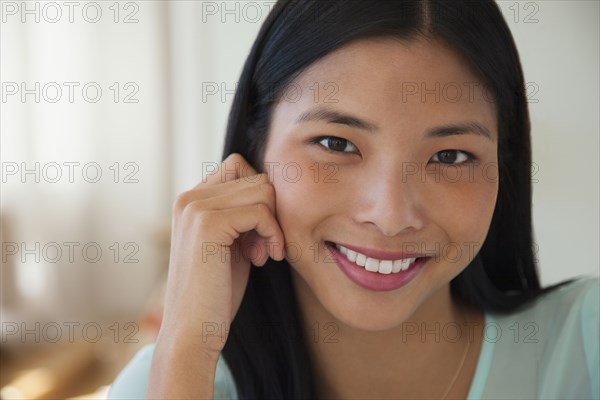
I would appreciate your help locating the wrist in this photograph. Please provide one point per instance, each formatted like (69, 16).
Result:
(178, 346)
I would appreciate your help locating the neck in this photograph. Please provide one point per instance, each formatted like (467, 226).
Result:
(419, 357)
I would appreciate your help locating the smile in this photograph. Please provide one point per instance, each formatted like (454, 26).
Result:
(377, 270)
(375, 265)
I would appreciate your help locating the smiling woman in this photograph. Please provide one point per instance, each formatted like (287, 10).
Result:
(375, 203)
(397, 251)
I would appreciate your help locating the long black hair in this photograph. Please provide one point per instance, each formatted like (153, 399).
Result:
(266, 349)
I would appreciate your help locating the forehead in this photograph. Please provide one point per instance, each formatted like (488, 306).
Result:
(392, 80)
(413, 58)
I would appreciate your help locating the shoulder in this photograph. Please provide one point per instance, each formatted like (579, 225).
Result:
(578, 294)
(569, 309)
(550, 348)
(132, 381)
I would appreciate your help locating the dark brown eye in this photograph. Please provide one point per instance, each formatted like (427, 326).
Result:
(451, 157)
(336, 144)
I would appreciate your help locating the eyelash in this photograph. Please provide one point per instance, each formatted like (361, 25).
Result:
(317, 141)
(470, 157)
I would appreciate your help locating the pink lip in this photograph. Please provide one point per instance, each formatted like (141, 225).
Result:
(374, 280)
(383, 255)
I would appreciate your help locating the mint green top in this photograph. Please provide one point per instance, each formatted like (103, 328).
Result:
(548, 350)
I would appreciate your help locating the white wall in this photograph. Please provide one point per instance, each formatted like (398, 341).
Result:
(52, 131)
(560, 57)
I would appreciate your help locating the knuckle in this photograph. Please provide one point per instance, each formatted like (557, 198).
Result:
(202, 218)
(262, 207)
(235, 157)
(267, 188)
(255, 179)
(182, 200)
(196, 208)
(263, 178)
(192, 210)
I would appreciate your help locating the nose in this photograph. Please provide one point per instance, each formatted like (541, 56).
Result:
(390, 202)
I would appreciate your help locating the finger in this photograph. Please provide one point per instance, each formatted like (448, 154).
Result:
(205, 191)
(256, 217)
(233, 167)
(263, 193)
(253, 246)
(227, 195)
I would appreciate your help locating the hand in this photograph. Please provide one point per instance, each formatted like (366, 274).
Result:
(220, 227)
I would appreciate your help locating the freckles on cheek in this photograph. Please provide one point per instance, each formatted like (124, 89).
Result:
(466, 210)
(299, 201)
(478, 210)
(291, 200)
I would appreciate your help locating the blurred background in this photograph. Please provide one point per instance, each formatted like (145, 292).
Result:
(111, 108)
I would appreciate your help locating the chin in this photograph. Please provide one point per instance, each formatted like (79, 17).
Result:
(371, 324)
(370, 317)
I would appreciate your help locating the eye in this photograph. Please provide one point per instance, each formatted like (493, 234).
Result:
(453, 157)
(335, 144)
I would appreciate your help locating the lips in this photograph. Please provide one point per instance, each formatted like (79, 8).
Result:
(377, 265)
(380, 277)
(380, 254)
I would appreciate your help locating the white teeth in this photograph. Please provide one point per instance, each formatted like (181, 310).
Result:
(361, 259)
(406, 263)
(375, 265)
(385, 267)
(372, 265)
(351, 255)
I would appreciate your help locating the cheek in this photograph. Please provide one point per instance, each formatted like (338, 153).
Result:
(460, 212)
(289, 206)
(311, 184)
(465, 211)
(300, 202)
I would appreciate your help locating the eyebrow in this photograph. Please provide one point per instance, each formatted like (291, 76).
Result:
(336, 117)
(460, 129)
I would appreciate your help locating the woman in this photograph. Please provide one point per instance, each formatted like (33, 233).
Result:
(377, 168)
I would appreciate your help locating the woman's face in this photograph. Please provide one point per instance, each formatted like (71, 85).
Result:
(411, 168)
